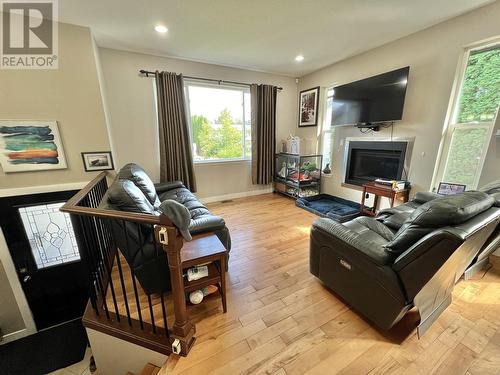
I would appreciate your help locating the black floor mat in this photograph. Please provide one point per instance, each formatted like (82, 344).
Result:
(44, 351)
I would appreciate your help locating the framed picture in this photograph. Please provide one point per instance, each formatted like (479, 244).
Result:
(97, 161)
(30, 146)
(447, 188)
(308, 105)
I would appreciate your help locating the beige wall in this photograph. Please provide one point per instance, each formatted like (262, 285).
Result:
(432, 55)
(69, 95)
(131, 107)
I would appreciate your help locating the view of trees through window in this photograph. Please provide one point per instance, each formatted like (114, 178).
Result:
(480, 94)
(477, 107)
(220, 122)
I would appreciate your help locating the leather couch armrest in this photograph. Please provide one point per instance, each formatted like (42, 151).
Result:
(206, 223)
(416, 266)
(166, 186)
(369, 249)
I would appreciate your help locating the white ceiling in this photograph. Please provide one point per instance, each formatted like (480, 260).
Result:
(258, 34)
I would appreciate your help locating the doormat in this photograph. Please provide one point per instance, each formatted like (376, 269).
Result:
(45, 351)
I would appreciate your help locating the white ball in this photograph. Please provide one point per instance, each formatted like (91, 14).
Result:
(196, 297)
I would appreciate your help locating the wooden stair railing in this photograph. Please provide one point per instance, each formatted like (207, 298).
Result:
(116, 309)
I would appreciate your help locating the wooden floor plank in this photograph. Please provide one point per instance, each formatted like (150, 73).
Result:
(281, 320)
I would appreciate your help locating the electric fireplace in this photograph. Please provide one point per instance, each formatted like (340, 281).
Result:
(369, 160)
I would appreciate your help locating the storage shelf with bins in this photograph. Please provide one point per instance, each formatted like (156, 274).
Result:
(298, 175)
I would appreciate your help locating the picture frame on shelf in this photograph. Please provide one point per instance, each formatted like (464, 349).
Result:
(97, 161)
(448, 188)
(308, 107)
(30, 145)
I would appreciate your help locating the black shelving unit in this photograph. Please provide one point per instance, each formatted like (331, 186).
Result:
(298, 175)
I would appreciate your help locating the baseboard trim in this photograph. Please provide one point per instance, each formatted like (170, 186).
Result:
(243, 194)
(9, 337)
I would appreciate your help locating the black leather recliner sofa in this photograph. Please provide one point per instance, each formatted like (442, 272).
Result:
(133, 191)
(408, 257)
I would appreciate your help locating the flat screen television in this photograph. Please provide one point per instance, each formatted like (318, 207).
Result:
(372, 100)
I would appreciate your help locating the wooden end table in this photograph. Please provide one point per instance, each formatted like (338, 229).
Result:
(381, 191)
(206, 248)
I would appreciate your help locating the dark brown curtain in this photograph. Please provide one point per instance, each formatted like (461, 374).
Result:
(176, 158)
(263, 132)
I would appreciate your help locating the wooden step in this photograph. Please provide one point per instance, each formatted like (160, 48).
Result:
(150, 369)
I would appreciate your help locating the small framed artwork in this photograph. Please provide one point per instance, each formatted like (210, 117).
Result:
(447, 188)
(97, 161)
(308, 105)
(28, 145)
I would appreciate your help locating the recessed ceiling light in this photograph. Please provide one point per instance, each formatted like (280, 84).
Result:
(161, 29)
(299, 58)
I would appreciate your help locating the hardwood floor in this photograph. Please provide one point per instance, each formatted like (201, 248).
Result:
(281, 320)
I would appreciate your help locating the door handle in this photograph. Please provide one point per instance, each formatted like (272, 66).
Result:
(26, 278)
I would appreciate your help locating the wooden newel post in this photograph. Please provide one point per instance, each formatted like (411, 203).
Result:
(183, 329)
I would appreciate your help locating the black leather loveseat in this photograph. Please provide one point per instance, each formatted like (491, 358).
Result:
(384, 266)
(133, 191)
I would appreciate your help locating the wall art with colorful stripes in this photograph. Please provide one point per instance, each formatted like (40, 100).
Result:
(30, 146)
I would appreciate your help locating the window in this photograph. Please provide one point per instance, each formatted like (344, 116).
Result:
(328, 133)
(50, 234)
(220, 121)
(470, 128)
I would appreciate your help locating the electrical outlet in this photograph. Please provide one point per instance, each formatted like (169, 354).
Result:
(176, 347)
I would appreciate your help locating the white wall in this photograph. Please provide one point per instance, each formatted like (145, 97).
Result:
(131, 107)
(432, 55)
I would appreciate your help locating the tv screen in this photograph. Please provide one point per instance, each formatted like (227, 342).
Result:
(376, 99)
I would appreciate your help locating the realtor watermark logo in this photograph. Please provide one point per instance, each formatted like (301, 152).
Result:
(29, 34)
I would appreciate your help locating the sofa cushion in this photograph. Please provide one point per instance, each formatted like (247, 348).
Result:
(369, 228)
(124, 195)
(437, 213)
(493, 189)
(138, 176)
(356, 234)
(397, 220)
(425, 196)
(188, 199)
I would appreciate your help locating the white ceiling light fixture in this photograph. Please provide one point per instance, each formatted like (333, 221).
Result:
(299, 58)
(161, 29)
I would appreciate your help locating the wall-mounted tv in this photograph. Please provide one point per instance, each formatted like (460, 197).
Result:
(372, 100)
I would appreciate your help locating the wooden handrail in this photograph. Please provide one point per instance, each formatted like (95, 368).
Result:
(77, 198)
(113, 214)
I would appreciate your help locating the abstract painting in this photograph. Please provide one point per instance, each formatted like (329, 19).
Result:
(30, 146)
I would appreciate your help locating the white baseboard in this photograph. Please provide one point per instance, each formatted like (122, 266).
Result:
(243, 194)
(16, 335)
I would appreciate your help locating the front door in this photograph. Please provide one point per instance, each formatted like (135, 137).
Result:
(45, 253)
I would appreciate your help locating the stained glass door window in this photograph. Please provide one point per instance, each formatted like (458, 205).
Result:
(50, 234)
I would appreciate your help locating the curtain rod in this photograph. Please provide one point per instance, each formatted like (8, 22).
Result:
(219, 81)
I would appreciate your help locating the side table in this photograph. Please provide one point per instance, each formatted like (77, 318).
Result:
(202, 249)
(381, 191)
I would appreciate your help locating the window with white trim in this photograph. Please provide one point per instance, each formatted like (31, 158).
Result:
(328, 133)
(220, 121)
(474, 111)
